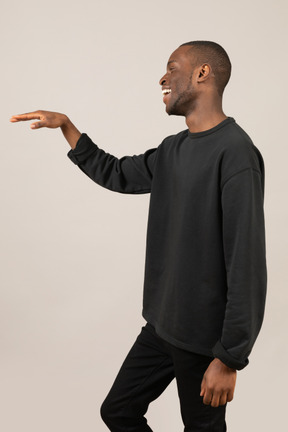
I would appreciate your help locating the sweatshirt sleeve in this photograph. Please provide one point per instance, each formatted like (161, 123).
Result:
(245, 260)
(128, 174)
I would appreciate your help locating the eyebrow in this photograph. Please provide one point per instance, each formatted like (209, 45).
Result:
(171, 61)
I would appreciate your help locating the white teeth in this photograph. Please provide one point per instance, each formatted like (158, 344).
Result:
(166, 91)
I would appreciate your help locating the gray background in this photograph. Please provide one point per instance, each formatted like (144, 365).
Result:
(72, 253)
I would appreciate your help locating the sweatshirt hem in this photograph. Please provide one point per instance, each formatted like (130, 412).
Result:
(175, 342)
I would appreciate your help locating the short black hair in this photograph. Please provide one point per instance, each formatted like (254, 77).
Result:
(217, 57)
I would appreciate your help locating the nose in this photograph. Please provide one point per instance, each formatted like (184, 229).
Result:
(163, 80)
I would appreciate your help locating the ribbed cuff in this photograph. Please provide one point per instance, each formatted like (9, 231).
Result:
(220, 352)
(84, 148)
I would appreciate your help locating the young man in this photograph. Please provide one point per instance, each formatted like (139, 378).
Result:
(205, 270)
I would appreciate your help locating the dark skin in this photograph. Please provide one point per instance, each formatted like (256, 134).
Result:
(193, 91)
(193, 95)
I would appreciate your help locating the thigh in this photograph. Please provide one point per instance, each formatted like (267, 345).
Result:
(189, 370)
(145, 373)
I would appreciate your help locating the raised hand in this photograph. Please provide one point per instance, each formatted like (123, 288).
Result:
(47, 119)
(53, 120)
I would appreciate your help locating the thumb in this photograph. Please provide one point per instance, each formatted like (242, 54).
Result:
(202, 388)
(37, 125)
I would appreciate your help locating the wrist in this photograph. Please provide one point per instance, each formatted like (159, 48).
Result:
(70, 132)
(223, 365)
(65, 121)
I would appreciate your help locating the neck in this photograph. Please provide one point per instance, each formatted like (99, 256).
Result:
(205, 116)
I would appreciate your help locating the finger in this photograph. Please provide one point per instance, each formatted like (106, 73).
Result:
(25, 117)
(230, 396)
(223, 399)
(207, 397)
(215, 400)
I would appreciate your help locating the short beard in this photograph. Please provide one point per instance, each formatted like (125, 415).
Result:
(179, 107)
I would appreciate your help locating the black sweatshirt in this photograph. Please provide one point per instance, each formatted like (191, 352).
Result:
(205, 268)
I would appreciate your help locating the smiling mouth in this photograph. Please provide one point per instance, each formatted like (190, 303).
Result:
(166, 91)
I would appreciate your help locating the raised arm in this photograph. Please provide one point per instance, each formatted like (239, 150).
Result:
(128, 174)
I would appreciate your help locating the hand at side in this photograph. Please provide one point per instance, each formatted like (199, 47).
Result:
(218, 384)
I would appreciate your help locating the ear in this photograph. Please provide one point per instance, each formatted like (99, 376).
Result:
(204, 72)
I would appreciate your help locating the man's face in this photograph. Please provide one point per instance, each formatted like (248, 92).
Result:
(179, 93)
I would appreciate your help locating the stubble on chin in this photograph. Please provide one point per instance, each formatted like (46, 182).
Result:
(174, 110)
(180, 106)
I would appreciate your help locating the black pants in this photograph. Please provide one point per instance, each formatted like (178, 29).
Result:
(148, 369)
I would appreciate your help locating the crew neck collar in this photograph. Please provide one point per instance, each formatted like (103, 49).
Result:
(194, 135)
